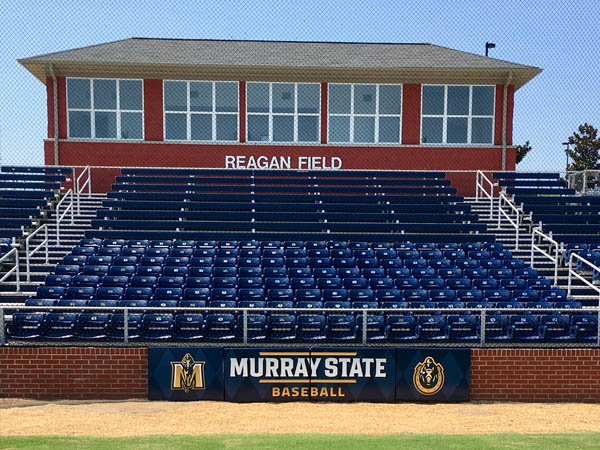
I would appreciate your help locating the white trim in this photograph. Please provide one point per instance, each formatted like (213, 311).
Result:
(295, 114)
(213, 113)
(118, 111)
(445, 116)
(376, 116)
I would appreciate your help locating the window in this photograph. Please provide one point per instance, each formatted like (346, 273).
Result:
(365, 113)
(457, 114)
(105, 109)
(201, 110)
(283, 112)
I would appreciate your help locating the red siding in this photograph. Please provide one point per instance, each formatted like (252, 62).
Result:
(242, 99)
(50, 105)
(153, 110)
(324, 112)
(498, 114)
(62, 107)
(510, 106)
(411, 114)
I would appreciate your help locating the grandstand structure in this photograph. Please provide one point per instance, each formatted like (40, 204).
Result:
(265, 257)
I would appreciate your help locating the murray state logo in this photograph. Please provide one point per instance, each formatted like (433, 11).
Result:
(187, 374)
(428, 377)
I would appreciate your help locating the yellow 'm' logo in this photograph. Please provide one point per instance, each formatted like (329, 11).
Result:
(428, 377)
(187, 374)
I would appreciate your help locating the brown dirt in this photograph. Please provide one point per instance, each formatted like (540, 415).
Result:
(129, 418)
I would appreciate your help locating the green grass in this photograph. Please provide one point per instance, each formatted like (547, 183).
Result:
(313, 441)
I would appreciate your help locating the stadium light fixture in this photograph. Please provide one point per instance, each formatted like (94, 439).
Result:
(489, 45)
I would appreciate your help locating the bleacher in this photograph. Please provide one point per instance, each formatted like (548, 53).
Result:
(25, 195)
(286, 205)
(285, 285)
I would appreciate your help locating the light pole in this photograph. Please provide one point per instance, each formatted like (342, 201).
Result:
(567, 153)
(489, 45)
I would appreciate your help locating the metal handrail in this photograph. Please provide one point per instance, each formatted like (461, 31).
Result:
(479, 188)
(574, 273)
(518, 211)
(60, 217)
(79, 187)
(28, 254)
(14, 252)
(555, 259)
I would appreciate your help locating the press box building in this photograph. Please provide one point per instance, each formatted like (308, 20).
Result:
(266, 104)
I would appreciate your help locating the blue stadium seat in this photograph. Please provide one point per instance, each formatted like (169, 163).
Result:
(335, 295)
(586, 327)
(497, 328)
(341, 328)
(355, 283)
(116, 326)
(223, 294)
(139, 293)
(92, 326)
(402, 328)
(280, 295)
(256, 327)
(74, 260)
(220, 327)
(433, 328)
(251, 294)
(200, 271)
(50, 292)
(406, 283)
(80, 293)
(526, 328)
(168, 293)
(26, 325)
(175, 271)
(308, 295)
(400, 272)
(432, 283)
(276, 283)
(197, 282)
(377, 329)
(97, 260)
(415, 295)
(424, 272)
(115, 281)
(558, 328)
(281, 328)
(85, 280)
(463, 328)
(60, 325)
(157, 327)
(442, 295)
(109, 293)
(311, 328)
(188, 327)
(66, 269)
(121, 271)
(486, 283)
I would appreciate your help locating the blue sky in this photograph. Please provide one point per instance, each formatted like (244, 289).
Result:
(562, 37)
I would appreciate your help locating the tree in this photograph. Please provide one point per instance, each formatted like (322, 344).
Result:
(586, 153)
(522, 150)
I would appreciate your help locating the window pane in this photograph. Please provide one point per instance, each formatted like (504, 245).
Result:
(201, 97)
(308, 128)
(364, 99)
(433, 100)
(175, 96)
(131, 125)
(106, 124)
(339, 129)
(130, 94)
(483, 101)
(457, 130)
(309, 98)
(105, 94)
(458, 100)
(258, 128)
(80, 124)
(390, 99)
(481, 131)
(432, 130)
(201, 127)
(176, 127)
(364, 129)
(79, 93)
(389, 129)
(283, 98)
(227, 127)
(257, 97)
(339, 99)
(283, 128)
(226, 97)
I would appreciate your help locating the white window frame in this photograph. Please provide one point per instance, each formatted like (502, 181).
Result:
(470, 116)
(376, 115)
(295, 114)
(93, 110)
(188, 112)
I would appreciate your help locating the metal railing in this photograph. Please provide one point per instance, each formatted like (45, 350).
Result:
(363, 314)
(480, 191)
(69, 208)
(516, 223)
(80, 185)
(15, 269)
(573, 273)
(43, 244)
(551, 242)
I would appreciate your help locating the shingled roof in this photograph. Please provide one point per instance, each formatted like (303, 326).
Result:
(327, 61)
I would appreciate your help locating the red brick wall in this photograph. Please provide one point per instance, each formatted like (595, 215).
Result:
(117, 373)
(73, 372)
(535, 374)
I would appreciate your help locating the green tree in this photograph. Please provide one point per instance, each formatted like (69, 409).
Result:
(586, 153)
(522, 150)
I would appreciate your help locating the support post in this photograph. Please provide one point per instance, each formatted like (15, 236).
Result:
(482, 328)
(2, 335)
(364, 328)
(245, 327)
(126, 326)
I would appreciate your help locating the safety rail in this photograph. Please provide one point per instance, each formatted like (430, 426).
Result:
(516, 223)
(29, 254)
(364, 313)
(12, 253)
(551, 242)
(59, 217)
(80, 186)
(573, 272)
(480, 191)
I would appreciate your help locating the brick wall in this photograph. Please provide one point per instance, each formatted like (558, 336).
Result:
(73, 372)
(118, 373)
(535, 374)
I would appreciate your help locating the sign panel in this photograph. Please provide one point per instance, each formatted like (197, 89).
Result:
(433, 374)
(180, 373)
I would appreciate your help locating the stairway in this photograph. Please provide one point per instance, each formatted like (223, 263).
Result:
(70, 234)
(507, 235)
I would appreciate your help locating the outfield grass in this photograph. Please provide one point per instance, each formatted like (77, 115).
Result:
(313, 441)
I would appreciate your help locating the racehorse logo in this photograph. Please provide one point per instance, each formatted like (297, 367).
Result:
(187, 374)
(428, 377)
